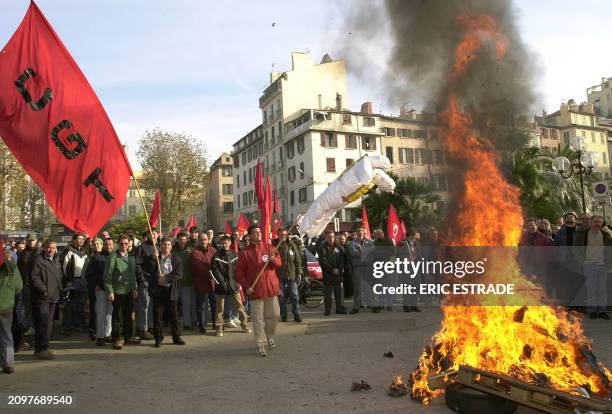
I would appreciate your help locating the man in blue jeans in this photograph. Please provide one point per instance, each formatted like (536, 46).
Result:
(289, 275)
(597, 260)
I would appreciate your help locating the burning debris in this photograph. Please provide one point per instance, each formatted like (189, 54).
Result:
(360, 386)
(398, 387)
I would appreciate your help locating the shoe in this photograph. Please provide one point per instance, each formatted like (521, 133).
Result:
(46, 355)
(178, 341)
(236, 320)
(375, 309)
(144, 335)
(261, 350)
(23, 346)
(297, 318)
(389, 308)
(28, 332)
(415, 309)
(604, 315)
(283, 318)
(202, 330)
(341, 311)
(100, 342)
(327, 313)
(214, 326)
(158, 341)
(117, 345)
(8, 370)
(230, 324)
(271, 343)
(354, 311)
(219, 333)
(246, 329)
(133, 341)
(108, 339)
(593, 315)
(407, 309)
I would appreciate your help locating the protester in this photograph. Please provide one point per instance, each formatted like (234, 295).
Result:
(95, 280)
(46, 285)
(360, 249)
(585, 222)
(121, 289)
(145, 266)
(73, 262)
(201, 261)
(97, 245)
(10, 286)
(289, 275)
(331, 259)
(226, 288)
(347, 275)
(568, 263)
(183, 249)
(164, 288)
(414, 253)
(23, 309)
(258, 259)
(194, 234)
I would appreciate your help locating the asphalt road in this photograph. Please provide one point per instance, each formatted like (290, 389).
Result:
(310, 371)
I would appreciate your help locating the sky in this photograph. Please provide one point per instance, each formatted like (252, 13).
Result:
(198, 67)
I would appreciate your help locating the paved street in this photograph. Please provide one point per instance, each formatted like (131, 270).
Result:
(311, 370)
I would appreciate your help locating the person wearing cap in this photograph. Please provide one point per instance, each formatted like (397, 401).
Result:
(73, 260)
(10, 286)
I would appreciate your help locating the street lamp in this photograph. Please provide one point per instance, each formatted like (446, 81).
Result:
(587, 161)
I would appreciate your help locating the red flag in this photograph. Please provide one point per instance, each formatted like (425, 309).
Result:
(394, 230)
(54, 124)
(265, 213)
(278, 224)
(259, 192)
(275, 197)
(403, 227)
(243, 225)
(155, 210)
(192, 222)
(175, 231)
(228, 229)
(365, 223)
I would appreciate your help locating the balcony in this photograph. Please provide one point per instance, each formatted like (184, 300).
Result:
(299, 130)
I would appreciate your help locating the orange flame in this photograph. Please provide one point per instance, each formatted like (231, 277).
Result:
(544, 340)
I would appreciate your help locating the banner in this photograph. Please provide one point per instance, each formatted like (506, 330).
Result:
(55, 126)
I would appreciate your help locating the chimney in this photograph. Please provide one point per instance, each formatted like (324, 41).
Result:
(366, 107)
(338, 102)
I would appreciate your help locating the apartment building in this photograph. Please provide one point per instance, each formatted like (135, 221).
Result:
(246, 151)
(600, 96)
(220, 193)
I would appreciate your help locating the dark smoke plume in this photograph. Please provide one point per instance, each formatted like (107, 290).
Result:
(423, 36)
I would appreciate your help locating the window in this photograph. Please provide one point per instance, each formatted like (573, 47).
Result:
(244, 177)
(424, 156)
(603, 138)
(566, 138)
(236, 161)
(593, 137)
(250, 175)
(406, 156)
(291, 197)
(555, 134)
(131, 210)
(290, 150)
(244, 161)
(404, 133)
(132, 193)
(226, 171)
(227, 189)
(438, 157)
(228, 207)
(420, 133)
(368, 143)
(604, 157)
(302, 195)
(300, 145)
(369, 121)
(390, 132)
(329, 140)
(255, 152)
(346, 119)
(389, 153)
(350, 142)
(439, 182)
(250, 197)
(301, 170)
(249, 154)
(244, 199)
(331, 164)
(349, 162)
(238, 180)
(272, 136)
(291, 174)
(238, 199)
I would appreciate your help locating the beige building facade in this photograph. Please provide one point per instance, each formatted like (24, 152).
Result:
(220, 194)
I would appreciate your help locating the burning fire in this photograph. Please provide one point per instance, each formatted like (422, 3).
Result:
(398, 387)
(529, 342)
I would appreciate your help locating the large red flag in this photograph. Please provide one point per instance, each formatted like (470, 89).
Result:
(243, 225)
(54, 124)
(365, 223)
(192, 222)
(259, 191)
(265, 213)
(394, 226)
(155, 210)
(228, 229)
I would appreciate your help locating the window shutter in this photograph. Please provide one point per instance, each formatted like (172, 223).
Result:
(322, 139)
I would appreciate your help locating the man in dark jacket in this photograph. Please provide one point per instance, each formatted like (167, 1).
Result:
(331, 259)
(95, 281)
(289, 275)
(73, 262)
(23, 307)
(569, 265)
(223, 269)
(46, 284)
(145, 266)
(165, 292)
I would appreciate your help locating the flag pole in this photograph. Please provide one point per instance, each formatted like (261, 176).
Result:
(144, 208)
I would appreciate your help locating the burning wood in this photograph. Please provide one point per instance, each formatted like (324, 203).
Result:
(359, 386)
(398, 387)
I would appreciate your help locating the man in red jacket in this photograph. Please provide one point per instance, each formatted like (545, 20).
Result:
(264, 303)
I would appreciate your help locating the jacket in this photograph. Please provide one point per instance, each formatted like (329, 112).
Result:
(582, 241)
(73, 262)
(174, 277)
(331, 257)
(185, 255)
(251, 260)
(224, 270)
(145, 263)
(46, 279)
(10, 285)
(361, 252)
(120, 274)
(24, 262)
(201, 260)
(292, 261)
(94, 273)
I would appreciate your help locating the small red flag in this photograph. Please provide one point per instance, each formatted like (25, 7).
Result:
(56, 127)
(365, 223)
(243, 225)
(394, 226)
(259, 191)
(265, 213)
(175, 231)
(192, 222)
(155, 210)
(228, 229)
